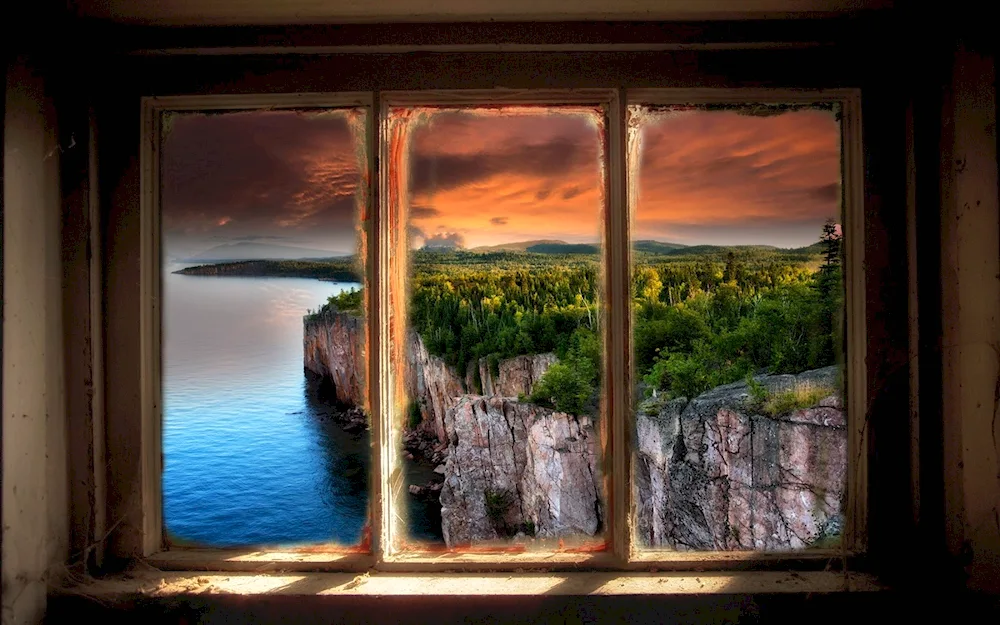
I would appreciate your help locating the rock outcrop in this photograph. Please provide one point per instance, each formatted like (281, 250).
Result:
(714, 473)
(333, 345)
(432, 384)
(518, 467)
(334, 350)
(519, 375)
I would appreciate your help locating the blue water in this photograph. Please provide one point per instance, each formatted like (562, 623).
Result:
(250, 454)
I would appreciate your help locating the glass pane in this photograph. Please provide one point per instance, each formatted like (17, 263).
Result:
(738, 300)
(499, 424)
(264, 401)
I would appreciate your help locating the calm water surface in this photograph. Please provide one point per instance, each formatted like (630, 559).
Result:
(249, 457)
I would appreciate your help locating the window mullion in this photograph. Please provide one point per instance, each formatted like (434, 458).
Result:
(379, 333)
(616, 259)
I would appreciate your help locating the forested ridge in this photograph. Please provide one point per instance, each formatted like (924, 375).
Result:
(339, 270)
(702, 315)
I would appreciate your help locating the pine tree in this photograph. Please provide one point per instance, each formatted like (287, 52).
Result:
(829, 284)
(831, 245)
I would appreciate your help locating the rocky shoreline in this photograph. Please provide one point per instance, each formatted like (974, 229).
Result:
(421, 447)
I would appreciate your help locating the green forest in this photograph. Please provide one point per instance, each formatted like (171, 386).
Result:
(702, 316)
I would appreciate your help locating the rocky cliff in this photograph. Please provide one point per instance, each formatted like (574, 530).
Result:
(518, 467)
(516, 376)
(333, 347)
(334, 350)
(432, 384)
(716, 473)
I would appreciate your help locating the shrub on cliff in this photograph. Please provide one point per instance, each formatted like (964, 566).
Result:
(563, 388)
(413, 415)
(351, 302)
(498, 502)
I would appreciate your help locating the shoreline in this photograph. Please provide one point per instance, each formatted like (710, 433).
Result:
(421, 456)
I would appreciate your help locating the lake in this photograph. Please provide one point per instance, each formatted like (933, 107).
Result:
(250, 455)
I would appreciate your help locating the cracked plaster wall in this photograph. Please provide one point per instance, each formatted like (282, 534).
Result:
(35, 485)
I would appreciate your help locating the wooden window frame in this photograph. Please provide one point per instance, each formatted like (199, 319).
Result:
(377, 227)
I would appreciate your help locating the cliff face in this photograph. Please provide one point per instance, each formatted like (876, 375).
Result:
(514, 466)
(334, 349)
(436, 387)
(431, 383)
(333, 346)
(712, 474)
(516, 375)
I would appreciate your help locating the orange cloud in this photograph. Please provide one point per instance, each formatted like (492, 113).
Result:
(704, 176)
(496, 177)
(722, 177)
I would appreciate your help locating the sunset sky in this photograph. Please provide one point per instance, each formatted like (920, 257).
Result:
(706, 177)
(278, 177)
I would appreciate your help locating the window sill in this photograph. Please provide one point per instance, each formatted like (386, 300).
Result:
(382, 584)
(332, 561)
(710, 597)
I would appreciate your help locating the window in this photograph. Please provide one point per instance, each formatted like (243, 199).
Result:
(262, 269)
(509, 290)
(738, 299)
(503, 207)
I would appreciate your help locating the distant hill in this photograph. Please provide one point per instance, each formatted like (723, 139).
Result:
(259, 251)
(647, 246)
(719, 251)
(517, 246)
(695, 250)
(563, 248)
(816, 248)
(339, 270)
(656, 247)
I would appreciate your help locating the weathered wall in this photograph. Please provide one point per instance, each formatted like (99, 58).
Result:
(970, 337)
(81, 321)
(35, 510)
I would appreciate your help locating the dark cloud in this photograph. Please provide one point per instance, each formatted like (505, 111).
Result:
(439, 172)
(423, 212)
(543, 193)
(444, 240)
(257, 172)
(827, 193)
(571, 192)
(252, 238)
(751, 179)
(499, 221)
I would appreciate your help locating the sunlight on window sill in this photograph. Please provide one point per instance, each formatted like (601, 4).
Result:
(480, 585)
